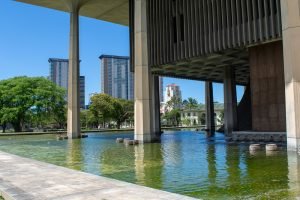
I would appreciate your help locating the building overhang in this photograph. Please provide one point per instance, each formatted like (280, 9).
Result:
(115, 11)
(210, 67)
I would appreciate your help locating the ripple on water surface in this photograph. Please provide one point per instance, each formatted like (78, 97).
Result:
(184, 162)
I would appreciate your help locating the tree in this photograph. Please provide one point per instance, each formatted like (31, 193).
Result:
(122, 110)
(3, 121)
(106, 108)
(50, 104)
(59, 113)
(84, 119)
(24, 98)
(88, 120)
(172, 117)
(174, 102)
(101, 107)
(186, 121)
(191, 103)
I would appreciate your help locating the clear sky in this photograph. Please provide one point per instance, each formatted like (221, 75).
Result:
(30, 35)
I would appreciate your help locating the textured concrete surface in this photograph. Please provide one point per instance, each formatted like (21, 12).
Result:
(255, 136)
(146, 123)
(291, 46)
(24, 179)
(116, 11)
(267, 87)
(73, 124)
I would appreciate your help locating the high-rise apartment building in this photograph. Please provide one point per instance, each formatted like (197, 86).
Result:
(116, 78)
(59, 75)
(172, 90)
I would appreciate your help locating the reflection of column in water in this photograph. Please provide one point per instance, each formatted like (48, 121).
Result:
(149, 165)
(117, 161)
(294, 173)
(233, 166)
(173, 149)
(267, 175)
(139, 164)
(211, 161)
(74, 156)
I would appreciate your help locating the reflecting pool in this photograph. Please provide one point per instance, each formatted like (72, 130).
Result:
(184, 162)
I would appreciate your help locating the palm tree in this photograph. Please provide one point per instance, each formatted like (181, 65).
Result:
(191, 103)
(175, 102)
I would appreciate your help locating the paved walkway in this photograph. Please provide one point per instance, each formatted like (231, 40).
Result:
(24, 179)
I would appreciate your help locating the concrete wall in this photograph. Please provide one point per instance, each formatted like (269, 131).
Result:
(244, 111)
(267, 87)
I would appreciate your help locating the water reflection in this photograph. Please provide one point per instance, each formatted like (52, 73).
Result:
(184, 162)
(266, 172)
(212, 164)
(294, 173)
(233, 169)
(149, 165)
(212, 170)
(139, 164)
(74, 156)
(118, 162)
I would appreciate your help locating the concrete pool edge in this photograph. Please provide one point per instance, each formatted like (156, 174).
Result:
(24, 178)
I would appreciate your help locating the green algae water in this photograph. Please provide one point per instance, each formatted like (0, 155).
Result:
(184, 162)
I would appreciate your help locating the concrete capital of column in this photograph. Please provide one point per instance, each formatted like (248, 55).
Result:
(75, 5)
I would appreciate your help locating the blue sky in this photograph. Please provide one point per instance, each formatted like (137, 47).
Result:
(30, 35)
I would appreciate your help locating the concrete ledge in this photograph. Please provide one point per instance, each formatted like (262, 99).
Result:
(252, 136)
(26, 179)
(64, 132)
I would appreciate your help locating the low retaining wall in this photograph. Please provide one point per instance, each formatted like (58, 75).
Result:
(245, 136)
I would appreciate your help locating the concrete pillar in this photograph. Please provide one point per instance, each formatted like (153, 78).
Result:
(156, 107)
(209, 108)
(291, 48)
(230, 102)
(144, 81)
(73, 76)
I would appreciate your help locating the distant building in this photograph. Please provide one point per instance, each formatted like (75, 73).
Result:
(172, 91)
(116, 78)
(197, 116)
(59, 76)
(59, 71)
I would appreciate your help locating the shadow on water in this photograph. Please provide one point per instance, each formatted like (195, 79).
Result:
(184, 162)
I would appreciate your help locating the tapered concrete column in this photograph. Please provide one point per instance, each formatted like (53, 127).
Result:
(230, 102)
(144, 82)
(73, 77)
(291, 48)
(209, 108)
